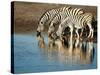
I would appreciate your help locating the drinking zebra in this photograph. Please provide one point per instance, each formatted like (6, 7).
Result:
(48, 16)
(59, 18)
(78, 22)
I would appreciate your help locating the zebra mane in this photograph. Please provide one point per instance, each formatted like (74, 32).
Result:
(43, 15)
(68, 7)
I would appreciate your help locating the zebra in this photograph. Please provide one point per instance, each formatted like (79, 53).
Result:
(48, 16)
(61, 16)
(77, 22)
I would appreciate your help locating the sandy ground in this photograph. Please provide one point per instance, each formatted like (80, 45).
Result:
(26, 15)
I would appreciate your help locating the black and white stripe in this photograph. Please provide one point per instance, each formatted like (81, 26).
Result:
(62, 15)
(48, 16)
(78, 22)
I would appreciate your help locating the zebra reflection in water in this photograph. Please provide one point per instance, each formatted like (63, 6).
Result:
(75, 51)
(41, 42)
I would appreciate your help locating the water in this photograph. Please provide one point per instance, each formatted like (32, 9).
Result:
(29, 57)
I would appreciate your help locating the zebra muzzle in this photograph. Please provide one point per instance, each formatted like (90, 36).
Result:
(38, 33)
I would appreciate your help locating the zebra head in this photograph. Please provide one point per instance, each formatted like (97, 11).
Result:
(44, 18)
(62, 27)
(40, 26)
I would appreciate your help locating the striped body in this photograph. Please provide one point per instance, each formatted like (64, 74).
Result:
(48, 16)
(78, 22)
(81, 21)
(59, 18)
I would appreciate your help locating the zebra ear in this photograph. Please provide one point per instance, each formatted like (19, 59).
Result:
(69, 7)
(81, 11)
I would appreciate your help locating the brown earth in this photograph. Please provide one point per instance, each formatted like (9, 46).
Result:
(26, 14)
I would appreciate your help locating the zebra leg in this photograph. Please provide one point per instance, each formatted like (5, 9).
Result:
(81, 32)
(77, 33)
(51, 29)
(91, 30)
(76, 42)
(71, 30)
